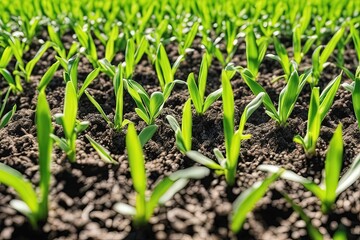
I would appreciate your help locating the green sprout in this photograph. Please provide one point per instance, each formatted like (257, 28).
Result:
(331, 186)
(34, 203)
(183, 134)
(72, 127)
(5, 118)
(319, 107)
(163, 191)
(227, 165)
(197, 91)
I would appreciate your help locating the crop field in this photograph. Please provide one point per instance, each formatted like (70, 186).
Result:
(212, 119)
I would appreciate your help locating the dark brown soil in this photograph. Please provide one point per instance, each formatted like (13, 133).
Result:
(83, 194)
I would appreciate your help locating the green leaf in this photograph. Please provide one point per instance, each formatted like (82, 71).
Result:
(129, 58)
(203, 73)
(110, 45)
(136, 159)
(333, 163)
(229, 109)
(156, 104)
(92, 75)
(256, 88)
(70, 110)
(147, 133)
(327, 96)
(350, 176)
(330, 47)
(160, 189)
(12, 178)
(282, 53)
(290, 175)
(297, 44)
(7, 117)
(211, 98)
(137, 170)
(163, 67)
(186, 126)
(249, 110)
(44, 129)
(195, 93)
(288, 97)
(103, 153)
(198, 157)
(190, 36)
(98, 107)
(247, 201)
(31, 64)
(252, 51)
(48, 76)
(6, 57)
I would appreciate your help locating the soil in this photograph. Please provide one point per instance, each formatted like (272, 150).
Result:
(83, 194)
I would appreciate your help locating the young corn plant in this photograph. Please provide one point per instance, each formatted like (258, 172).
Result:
(5, 118)
(165, 72)
(247, 200)
(70, 74)
(118, 122)
(34, 202)
(88, 45)
(72, 127)
(14, 84)
(148, 107)
(319, 58)
(58, 46)
(163, 191)
(197, 91)
(186, 42)
(282, 56)
(133, 56)
(319, 107)
(183, 134)
(331, 186)
(287, 98)
(255, 51)
(227, 164)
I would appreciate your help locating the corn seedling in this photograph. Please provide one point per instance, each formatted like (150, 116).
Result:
(88, 45)
(5, 118)
(282, 56)
(197, 91)
(319, 60)
(319, 107)
(118, 122)
(165, 72)
(72, 127)
(133, 57)
(186, 43)
(247, 200)
(33, 203)
(148, 107)
(183, 134)
(70, 74)
(14, 84)
(331, 186)
(163, 191)
(227, 164)
(287, 98)
(255, 51)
